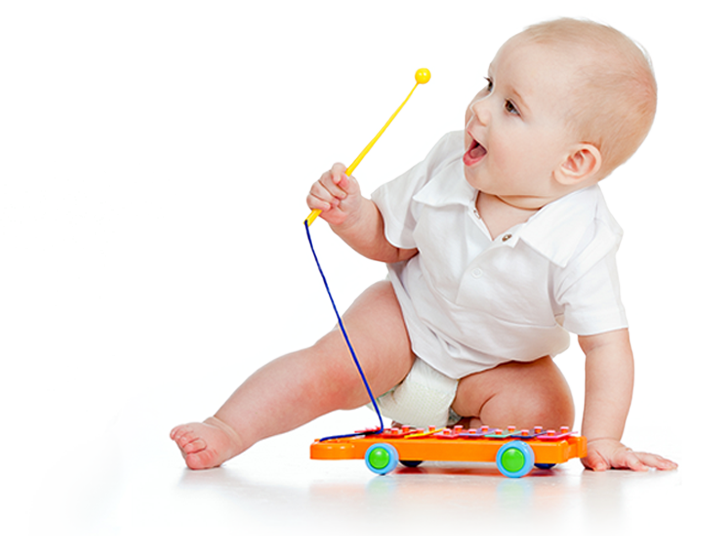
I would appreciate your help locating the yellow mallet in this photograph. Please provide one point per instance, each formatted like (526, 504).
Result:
(422, 76)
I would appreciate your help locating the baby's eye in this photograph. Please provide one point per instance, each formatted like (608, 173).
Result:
(511, 108)
(489, 85)
(38, 46)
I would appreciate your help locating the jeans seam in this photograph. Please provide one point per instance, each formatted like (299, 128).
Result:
(70, 425)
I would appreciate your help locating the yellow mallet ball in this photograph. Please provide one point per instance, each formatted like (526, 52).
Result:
(422, 76)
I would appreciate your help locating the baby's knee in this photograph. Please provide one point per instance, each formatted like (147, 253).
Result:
(555, 395)
(518, 394)
(550, 406)
(334, 377)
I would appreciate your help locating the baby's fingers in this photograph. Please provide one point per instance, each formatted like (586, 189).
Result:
(336, 183)
(321, 198)
(595, 461)
(625, 460)
(653, 460)
(642, 461)
(338, 176)
(628, 459)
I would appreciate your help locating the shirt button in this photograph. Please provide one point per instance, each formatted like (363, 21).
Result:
(506, 238)
(477, 272)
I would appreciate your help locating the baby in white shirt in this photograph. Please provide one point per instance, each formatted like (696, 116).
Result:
(495, 249)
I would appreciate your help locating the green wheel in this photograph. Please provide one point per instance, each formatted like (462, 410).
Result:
(515, 459)
(381, 458)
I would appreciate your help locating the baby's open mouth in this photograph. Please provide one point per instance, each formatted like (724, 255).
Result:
(474, 154)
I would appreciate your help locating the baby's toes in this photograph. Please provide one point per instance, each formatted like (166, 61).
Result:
(184, 435)
(194, 445)
(204, 459)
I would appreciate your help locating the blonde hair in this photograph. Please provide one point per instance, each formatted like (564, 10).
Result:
(614, 93)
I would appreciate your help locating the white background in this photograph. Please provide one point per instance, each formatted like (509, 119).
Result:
(226, 282)
(154, 162)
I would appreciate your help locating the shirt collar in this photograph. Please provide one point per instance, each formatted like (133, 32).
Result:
(555, 231)
(447, 186)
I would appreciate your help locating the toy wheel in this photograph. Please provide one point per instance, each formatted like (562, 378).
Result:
(410, 463)
(515, 459)
(381, 458)
(545, 465)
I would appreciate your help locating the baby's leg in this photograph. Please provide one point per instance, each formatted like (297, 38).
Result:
(519, 394)
(298, 387)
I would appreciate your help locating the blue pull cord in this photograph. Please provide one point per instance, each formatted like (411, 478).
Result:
(351, 349)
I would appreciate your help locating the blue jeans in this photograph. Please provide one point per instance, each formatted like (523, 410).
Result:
(59, 388)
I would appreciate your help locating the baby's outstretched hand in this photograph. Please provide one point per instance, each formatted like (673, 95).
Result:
(222, 115)
(335, 195)
(606, 454)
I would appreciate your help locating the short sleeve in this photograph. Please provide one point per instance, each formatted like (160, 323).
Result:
(394, 199)
(592, 303)
(118, 144)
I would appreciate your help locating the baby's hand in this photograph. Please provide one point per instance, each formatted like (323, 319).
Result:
(220, 114)
(603, 454)
(335, 195)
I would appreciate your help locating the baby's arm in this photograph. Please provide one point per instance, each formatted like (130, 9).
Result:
(609, 381)
(156, 184)
(355, 219)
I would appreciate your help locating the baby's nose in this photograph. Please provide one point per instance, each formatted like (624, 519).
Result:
(481, 110)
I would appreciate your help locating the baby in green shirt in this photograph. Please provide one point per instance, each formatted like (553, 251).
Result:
(68, 178)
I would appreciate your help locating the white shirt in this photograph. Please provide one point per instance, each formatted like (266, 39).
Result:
(471, 302)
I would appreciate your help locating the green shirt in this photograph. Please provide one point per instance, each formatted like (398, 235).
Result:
(60, 232)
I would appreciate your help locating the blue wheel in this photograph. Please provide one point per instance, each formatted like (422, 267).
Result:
(545, 465)
(410, 463)
(515, 459)
(381, 458)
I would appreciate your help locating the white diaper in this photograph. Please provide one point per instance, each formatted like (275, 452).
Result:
(422, 399)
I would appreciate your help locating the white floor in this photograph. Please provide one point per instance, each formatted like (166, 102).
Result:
(131, 480)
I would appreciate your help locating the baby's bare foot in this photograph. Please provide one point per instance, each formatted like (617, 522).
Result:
(207, 444)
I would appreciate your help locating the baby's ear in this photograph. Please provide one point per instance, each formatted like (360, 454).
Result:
(582, 164)
(98, 50)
